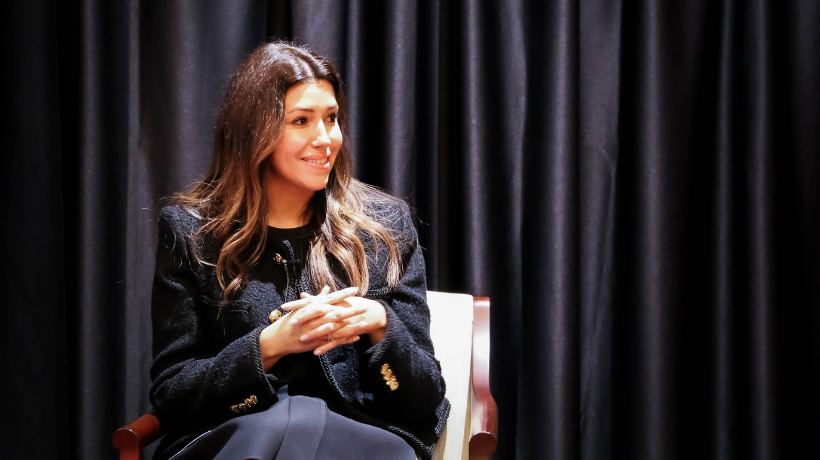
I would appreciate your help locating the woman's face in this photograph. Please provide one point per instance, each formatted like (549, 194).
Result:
(311, 139)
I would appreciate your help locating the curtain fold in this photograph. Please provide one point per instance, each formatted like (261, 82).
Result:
(634, 183)
(598, 100)
(550, 227)
(107, 129)
(33, 329)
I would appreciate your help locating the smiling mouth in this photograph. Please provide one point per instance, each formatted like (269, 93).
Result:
(317, 162)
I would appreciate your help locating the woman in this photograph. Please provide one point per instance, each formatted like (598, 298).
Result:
(244, 367)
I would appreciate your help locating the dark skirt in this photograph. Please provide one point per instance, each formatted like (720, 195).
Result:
(297, 428)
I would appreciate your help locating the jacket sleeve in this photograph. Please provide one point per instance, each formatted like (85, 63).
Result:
(193, 381)
(407, 374)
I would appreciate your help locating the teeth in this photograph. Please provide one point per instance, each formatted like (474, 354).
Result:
(317, 162)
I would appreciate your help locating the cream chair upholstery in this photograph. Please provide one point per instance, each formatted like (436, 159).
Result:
(451, 329)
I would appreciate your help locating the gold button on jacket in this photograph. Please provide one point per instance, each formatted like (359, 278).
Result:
(243, 406)
(275, 315)
(389, 378)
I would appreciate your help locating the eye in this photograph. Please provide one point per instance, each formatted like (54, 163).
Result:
(333, 118)
(300, 121)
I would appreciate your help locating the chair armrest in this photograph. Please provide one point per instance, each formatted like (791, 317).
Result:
(131, 439)
(484, 412)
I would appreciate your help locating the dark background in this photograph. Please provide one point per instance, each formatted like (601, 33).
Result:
(634, 183)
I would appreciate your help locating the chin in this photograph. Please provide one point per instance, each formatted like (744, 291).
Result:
(315, 183)
(316, 187)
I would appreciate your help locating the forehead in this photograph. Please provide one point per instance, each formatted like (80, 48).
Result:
(317, 94)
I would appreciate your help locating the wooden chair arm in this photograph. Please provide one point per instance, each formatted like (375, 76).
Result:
(131, 439)
(484, 412)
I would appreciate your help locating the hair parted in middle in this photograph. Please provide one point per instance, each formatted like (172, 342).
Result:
(231, 199)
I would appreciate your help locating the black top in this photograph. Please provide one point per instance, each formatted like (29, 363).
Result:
(288, 233)
(303, 371)
(299, 237)
(280, 240)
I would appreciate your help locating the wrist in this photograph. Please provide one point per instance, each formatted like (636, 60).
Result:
(269, 349)
(377, 334)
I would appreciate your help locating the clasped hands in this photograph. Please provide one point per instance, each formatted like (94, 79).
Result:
(322, 322)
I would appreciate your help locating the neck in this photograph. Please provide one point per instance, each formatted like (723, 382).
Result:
(286, 208)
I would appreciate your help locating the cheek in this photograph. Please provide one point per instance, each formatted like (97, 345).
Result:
(276, 163)
(335, 139)
(284, 153)
(290, 143)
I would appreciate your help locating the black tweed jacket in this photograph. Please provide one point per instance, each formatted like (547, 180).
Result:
(208, 368)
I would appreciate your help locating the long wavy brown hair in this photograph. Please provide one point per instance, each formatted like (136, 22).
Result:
(231, 199)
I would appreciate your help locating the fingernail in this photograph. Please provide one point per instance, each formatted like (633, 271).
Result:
(303, 338)
(356, 339)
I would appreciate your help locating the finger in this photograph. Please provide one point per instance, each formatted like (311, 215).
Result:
(357, 328)
(323, 330)
(341, 317)
(335, 343)
(324, 291)
(305, 299)
(322, 296)
(310, 313)
(297, 304)
(314, 310)
(343, 313)
(342, 294)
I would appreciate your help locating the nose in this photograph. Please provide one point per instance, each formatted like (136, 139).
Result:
(322, 139)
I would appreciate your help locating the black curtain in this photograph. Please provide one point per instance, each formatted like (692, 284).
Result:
(634, 183)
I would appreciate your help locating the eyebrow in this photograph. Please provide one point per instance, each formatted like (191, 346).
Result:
(308, 109)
